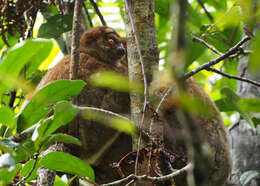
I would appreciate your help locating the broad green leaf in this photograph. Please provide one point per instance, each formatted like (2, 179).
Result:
(25, 150)
(55, 26)
(27, 168)
(19, 56)
(231, 95)
(6, 177)
(233, 100)
(247, 176)
(162, 8)
(7, 116)
(194, 51)
(40, 104)
(59, 138)
(249, 104)
(64, 113)
(63, 162)
(121, 124)
(224, 105)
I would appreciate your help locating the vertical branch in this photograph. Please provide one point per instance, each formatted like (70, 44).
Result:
(142, 57)
(75, 40)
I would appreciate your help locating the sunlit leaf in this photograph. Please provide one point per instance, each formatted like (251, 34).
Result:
(64, 113)
(114, 81)
(63, 162)
(19, 56)
(249, 104)
(7, 116)
(40, 104)
(111, 80)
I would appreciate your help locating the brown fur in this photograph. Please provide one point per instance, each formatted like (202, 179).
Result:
(211, 129)
(97, 55)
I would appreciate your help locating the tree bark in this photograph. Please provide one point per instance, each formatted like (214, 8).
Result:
(244, 140)
(142, 12)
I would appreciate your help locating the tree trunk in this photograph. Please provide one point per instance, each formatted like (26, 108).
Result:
(244, 140)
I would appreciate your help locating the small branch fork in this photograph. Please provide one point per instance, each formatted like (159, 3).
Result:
(239, 51)
(227, 54)
(232, 52)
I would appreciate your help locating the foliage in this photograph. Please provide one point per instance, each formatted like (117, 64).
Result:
(20, 63)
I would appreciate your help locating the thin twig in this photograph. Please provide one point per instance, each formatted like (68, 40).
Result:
(206, 11)
(98, 12)
(194, 38)
(233, 77)
(107, 112)
(88, 16)
(151, 178)
(230, 52)
(144, 77)
(89, 181)
(31, 171)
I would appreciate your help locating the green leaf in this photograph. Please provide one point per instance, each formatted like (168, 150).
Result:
(59, 138)
(6, 177)
(19, 56)
(27, 168)
(111, 80)
(40, 104)
(55, 26)
(162, 8)
(194, 51)
(233, 101)
(249, 104)
(59, 182)
(64, 114)
(7, 116)
(247, 176)
(224, 105)
(25, 151)
(230, 94)
(63, 162)
(254, 63)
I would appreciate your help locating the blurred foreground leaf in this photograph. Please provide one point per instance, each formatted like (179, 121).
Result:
(30, 53)
(7, 116)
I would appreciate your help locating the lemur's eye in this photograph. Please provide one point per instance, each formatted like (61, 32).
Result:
(111, 41)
